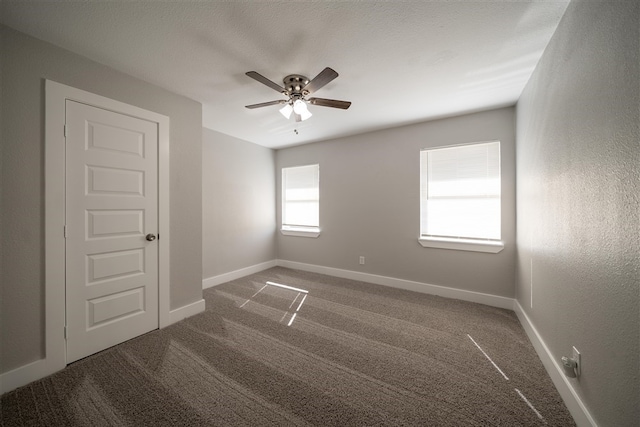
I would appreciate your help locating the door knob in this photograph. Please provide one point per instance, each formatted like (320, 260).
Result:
(151, 237)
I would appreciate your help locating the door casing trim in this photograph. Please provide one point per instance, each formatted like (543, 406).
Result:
(56, 95)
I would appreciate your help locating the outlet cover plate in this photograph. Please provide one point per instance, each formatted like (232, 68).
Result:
(576, 357)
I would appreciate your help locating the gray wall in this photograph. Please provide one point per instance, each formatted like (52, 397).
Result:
(238, 204)
(370, 204)
(578, 162)
(26, 62)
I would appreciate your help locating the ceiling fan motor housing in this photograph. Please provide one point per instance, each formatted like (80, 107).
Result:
(294, 83)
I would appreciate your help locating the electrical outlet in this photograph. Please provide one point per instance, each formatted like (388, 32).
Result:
(576, 357)
(361, 260)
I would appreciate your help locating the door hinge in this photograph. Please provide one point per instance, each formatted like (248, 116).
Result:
(65, 231)
(65, 131)
(65, 332)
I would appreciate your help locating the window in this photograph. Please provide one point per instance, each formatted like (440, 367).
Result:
(460, 197)
(301, 201)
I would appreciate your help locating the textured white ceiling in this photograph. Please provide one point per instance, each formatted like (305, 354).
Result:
(399, 62)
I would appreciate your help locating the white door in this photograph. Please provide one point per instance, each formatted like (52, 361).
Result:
(111, 227)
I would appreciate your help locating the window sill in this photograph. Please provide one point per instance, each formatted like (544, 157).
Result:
(462, 244)
(300, 232)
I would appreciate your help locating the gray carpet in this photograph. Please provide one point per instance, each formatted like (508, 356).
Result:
(344, 353)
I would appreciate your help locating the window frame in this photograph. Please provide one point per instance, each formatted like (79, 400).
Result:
(459, 243)
(297, 230)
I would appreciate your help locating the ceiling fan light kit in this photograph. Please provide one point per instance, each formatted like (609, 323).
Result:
(297, 87)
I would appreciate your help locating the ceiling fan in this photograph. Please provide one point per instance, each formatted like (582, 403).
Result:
(297, 88)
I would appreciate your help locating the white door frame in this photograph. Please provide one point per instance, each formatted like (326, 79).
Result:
(56, 95)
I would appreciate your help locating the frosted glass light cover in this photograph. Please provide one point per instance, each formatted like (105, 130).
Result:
(299, 107)
(286, 111)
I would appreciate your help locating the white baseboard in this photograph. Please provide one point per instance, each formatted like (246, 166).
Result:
(237, 274)
(186, 311)
(564, 386)
(443, 291)
(24, 375)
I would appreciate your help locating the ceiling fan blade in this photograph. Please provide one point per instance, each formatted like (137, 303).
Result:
(266, 104)
(334, 103)
(298, 117)
(320, 80)
(265, 81)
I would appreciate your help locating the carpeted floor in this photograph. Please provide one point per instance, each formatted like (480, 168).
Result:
(332, 352)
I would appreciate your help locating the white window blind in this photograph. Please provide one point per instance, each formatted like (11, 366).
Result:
(301, 197)
(460, 192)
